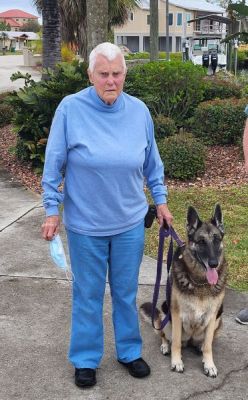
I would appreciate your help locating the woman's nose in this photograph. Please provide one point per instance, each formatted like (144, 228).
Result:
(110, 80)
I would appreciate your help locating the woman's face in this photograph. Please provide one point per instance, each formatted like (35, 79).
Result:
(108, 78)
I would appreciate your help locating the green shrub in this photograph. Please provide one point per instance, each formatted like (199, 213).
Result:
(221, 88)
(183, 156)
(173, 56)
(145, 55)
(242, 59)
(242, 79)
(6, 114)
(35, 105)
(4, 96)
(164, 126)
(220, 121)
(173, 89)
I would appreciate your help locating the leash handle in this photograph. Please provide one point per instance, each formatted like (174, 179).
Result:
(164, 233)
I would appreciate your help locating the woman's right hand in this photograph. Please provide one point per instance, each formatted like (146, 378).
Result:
(50, 227)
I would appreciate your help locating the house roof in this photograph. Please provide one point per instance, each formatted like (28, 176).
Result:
(197, 5)
(15, 35)
(144, 4)
(213, 17)
(17, 14)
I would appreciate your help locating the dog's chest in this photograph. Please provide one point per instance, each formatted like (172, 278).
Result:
(196, 314)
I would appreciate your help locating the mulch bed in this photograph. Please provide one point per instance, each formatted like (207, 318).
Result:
(224, 166)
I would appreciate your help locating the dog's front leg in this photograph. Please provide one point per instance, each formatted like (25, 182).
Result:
(208, 362)
(176, 342)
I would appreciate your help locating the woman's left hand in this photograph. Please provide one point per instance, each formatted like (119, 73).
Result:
(163, 213)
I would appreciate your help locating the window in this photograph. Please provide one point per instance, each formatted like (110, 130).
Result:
(188, 18)
(130, 16)
(170, 19)
(148, 20)
(179, 19)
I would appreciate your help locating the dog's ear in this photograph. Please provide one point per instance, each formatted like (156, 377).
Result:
(193, 221)
(217, 219)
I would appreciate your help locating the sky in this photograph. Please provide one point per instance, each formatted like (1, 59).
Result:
(24, 5)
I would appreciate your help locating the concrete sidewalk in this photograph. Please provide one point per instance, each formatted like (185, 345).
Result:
(35, 324)
(11, 64)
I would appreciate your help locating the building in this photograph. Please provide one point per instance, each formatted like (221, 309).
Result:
(135, 34)
(16, 18)
(16, 40)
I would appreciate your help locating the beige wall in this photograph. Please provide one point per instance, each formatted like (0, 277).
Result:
(23, 21)
(139, 24)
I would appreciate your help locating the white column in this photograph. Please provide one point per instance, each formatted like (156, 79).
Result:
(141, 47)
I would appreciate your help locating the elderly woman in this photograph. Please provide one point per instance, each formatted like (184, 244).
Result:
(103, 141)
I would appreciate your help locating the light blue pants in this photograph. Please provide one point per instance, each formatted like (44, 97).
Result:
(91, 257)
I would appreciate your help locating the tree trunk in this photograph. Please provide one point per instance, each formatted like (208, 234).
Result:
(51, 33)
(167, 49)
(97, 23)
(82, 39)
(153, 30)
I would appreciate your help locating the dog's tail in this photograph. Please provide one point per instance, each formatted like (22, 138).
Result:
(146, 312)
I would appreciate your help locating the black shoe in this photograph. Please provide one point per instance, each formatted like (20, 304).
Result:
(137, 368)
(85, 377)
(242, 317)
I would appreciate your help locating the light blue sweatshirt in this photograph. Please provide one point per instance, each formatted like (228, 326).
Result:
(104, 152)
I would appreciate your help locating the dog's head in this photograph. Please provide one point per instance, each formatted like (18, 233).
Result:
(205, 241)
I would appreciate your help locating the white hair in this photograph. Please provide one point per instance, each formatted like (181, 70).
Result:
(108, 50)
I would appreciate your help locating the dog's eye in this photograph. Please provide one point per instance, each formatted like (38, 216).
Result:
(217, 240)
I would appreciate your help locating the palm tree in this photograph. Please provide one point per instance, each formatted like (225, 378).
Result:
(51, 34)
(118, 11)
(73, 23)
(74, 20)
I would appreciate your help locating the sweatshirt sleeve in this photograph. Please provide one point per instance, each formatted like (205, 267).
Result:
(55, 162)
(154, 169)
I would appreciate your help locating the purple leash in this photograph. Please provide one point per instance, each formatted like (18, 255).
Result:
(164, 233)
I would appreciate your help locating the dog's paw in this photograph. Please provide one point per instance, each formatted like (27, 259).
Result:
(210, 370)
(165, 348)
(177, 366)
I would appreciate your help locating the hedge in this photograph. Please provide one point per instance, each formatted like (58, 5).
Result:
(220, 121)
(173, 89)
(183, 156)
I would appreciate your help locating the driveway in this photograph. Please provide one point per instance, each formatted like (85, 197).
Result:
(11, 64)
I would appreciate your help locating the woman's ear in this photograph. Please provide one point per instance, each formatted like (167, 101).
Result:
(90, 75)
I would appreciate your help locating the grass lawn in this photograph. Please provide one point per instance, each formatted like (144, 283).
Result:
(234, 203)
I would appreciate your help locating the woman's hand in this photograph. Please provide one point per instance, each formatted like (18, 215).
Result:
(163, 213)
(246, 166)
(50, 227)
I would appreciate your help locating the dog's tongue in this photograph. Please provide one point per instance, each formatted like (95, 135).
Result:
(212, 276)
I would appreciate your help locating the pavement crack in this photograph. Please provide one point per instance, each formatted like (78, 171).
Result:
(19, 218)
(35, 277)
(220, 386)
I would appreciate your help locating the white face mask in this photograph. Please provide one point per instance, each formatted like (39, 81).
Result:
(57, 253)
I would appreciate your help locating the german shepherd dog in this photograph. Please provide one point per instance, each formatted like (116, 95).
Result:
(199, 272)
